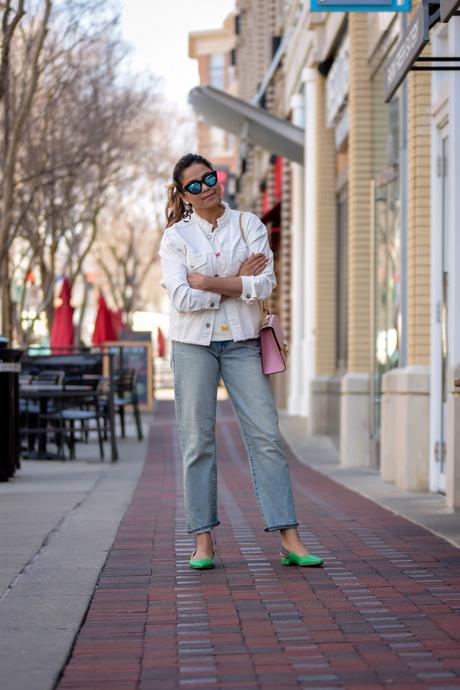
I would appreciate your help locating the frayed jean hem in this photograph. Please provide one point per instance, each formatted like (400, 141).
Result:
(200, 530)
(278, 527)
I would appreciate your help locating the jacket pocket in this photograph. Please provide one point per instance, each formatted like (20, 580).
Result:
(196, 263)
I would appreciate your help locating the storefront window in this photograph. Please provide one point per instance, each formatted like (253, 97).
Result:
(217, 70)
(386, 243)
(342, 271)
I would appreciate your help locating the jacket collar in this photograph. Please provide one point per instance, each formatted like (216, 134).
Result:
(206, 226)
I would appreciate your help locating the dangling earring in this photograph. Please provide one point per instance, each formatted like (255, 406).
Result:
(188, 209)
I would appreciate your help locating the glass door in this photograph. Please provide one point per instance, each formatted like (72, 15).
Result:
(342, 280)
(442, 317)
(386, 294)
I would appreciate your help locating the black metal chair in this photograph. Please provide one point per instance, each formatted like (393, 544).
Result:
(52, 376)
(83, 411)
(125, 384)
(29, 410)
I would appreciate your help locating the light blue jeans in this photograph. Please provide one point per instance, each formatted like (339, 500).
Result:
(197, 370)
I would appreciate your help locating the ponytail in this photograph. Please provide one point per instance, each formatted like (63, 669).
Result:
(176, 209)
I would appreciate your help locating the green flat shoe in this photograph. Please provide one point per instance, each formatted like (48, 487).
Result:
(291, 558)
(201, 563)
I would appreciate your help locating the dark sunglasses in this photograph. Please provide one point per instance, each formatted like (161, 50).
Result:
(196, 186)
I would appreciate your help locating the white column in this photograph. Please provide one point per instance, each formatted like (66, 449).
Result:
(309, 76)
(436, 300)
(295, 368)
(454, 197)
(453, 327)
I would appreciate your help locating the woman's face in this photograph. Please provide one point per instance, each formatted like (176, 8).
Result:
(209, 196)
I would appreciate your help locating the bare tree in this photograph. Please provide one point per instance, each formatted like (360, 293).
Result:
(14, 120)
(126, 250)
(11, 17)
(91, 163)
(125, 253)
(72, 152)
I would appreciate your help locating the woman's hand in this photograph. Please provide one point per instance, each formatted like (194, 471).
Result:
(253, 265)
(197, 281)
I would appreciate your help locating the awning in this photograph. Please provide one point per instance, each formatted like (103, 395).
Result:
(249, 121)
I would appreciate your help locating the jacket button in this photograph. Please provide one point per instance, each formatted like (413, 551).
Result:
(213, 304)
(248, 296)
(208, 325)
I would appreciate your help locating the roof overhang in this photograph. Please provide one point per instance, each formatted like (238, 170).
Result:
(249, 122)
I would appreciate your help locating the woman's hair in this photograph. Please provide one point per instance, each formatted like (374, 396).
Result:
(175, 207)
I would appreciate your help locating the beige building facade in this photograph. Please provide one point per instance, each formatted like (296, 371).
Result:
(214, 51)
(369, 234)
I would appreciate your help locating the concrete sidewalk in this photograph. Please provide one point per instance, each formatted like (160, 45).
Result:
(58, 522)
(424, 508)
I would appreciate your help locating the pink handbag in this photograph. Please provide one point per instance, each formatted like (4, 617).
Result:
(273, 347)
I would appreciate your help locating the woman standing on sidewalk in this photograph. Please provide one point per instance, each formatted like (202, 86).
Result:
(216, 263)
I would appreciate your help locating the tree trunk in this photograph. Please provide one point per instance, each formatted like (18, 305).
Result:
(81, 316)
(10, 155)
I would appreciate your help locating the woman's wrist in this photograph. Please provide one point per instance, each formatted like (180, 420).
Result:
(229, 286)
(210, 284)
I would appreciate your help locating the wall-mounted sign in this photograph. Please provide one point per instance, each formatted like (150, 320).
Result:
(360, 6)
(408, 49)
(449, 8)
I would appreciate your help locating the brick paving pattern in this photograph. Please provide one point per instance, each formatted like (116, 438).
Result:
(384, 612)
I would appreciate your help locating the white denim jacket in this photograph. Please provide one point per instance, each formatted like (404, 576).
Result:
(190, 246)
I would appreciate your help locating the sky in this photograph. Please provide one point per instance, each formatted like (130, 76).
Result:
(158, 33)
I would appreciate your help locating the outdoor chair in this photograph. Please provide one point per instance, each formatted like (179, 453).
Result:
(28, 419)
(94, 383)
(29, 410)
(82, 411)
(35, 427)
(51, 376)
(125, 383)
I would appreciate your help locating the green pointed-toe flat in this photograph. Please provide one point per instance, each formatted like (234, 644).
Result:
(201, 563)
(291, 558)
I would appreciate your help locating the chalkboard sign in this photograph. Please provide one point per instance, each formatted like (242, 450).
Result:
(136, 355)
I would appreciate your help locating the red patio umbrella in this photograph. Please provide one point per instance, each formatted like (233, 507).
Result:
(117, 321)
(161, 343)
(104, 329)
(62, 331)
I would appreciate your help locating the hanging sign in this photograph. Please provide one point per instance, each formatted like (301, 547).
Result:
(360, 6)
(408, 49)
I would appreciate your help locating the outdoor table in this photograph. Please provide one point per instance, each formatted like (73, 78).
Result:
(43, 394)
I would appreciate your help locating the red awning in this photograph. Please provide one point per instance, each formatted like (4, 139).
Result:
(161, 343)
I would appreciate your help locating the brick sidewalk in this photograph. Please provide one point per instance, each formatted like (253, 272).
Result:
(382, 613)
